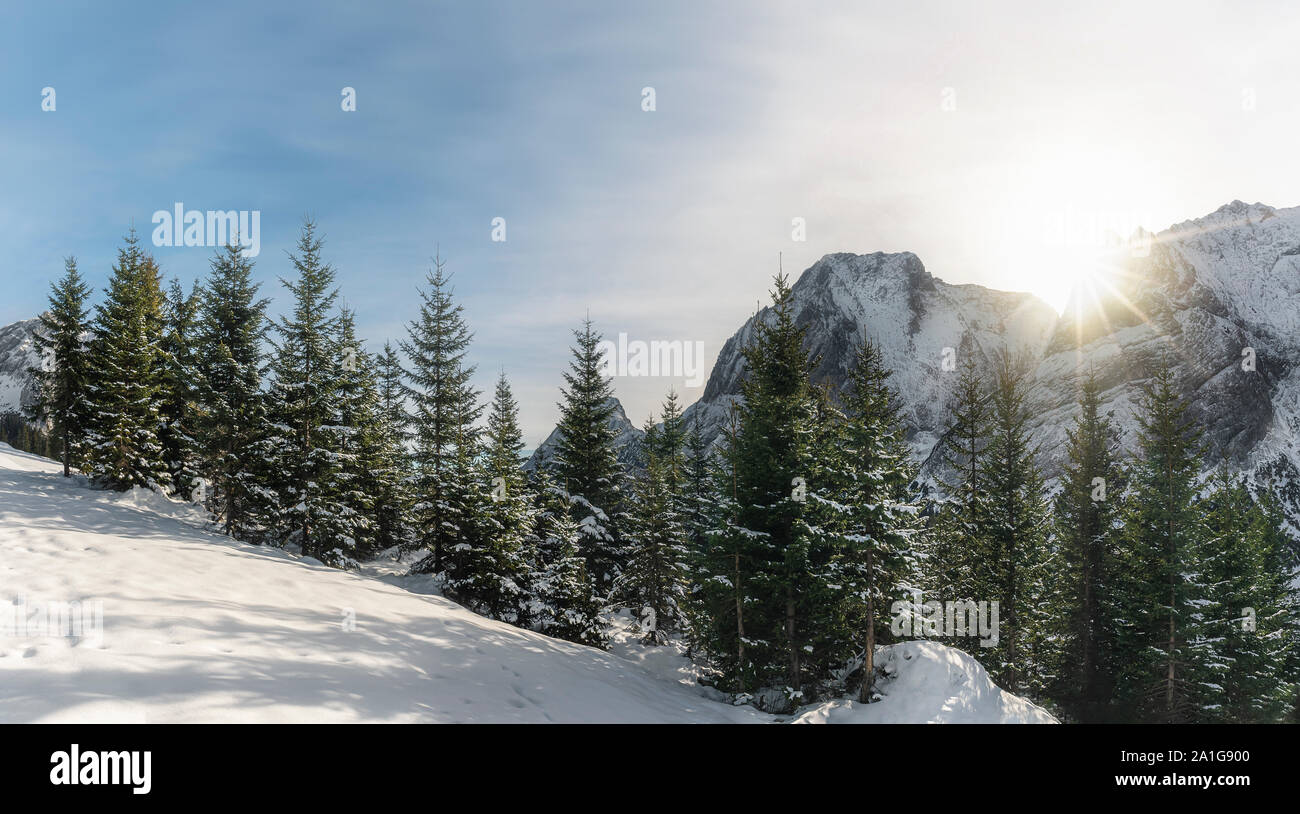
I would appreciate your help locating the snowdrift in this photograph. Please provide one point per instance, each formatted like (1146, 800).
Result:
(198, 628)
(926, 682)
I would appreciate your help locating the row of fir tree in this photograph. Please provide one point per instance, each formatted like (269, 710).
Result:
(779, 554)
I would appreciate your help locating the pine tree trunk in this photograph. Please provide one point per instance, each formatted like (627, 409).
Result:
(1169, 677)
(740, 628)
(789, 634)
(869, 658)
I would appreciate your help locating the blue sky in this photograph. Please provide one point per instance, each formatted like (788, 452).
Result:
(663, 224)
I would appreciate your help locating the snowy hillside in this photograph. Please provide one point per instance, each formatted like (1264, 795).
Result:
(196, 627)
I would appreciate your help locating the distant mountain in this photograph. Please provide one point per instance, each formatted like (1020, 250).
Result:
(917, 320)
(1203, 292)
(628, 442)
(17, 353)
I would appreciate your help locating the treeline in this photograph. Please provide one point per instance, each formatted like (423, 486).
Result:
(290, 433)
(19, 433)
(1137, 593)
(781, 554)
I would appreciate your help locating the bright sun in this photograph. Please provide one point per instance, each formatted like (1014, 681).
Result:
(1068, 223)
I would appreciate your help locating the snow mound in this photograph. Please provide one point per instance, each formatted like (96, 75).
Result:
(926, 682)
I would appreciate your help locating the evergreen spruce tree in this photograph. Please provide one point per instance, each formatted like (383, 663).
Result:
(61, 398)
(952, 562)
(698, 489)
(566, 605)
(445, 409)
(721, 593)
(1248, 619)
(774, 548)
(304, 404)
(179, 390)
(488, 569)
(1084, 585)
(232, 427)
(586, 465)
(392, 472)
(667, 442)
(653, 584)
(1012, 565)
(1161, 587)
(1273, 678)
(876, 558)
(358, 454)
(125, 360)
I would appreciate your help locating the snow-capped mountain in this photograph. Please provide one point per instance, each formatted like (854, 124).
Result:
(1209, 294)
(918, 321)
(17, 353)
(1216, 296)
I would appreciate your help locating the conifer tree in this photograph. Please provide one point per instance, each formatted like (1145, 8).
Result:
(232, 422)
(1247, 624)
(876, 558)
(951, 571)
(61, 398)
(304, 404)
(586, 464)
(721, 592)
(488, 569)
(667, 442)
(1160, 586)
(1273, 678)
(391, 477)
(653, 584)
(445, 409)
(125, 361)
(565, 603)
(358, 454)
(1084, 586)
(1012, 560)
(179, 390)
(774, 461)
(699, 489)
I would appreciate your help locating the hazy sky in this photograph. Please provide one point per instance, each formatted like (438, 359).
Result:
(993, 140)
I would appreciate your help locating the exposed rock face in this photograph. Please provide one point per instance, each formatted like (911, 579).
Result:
(17, 353)
(1214, 296)
(917, 320)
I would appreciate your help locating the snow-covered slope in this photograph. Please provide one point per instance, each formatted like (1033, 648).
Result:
(17, 354)
(196, 627)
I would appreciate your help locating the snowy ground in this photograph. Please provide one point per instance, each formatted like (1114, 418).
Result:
(196, 627)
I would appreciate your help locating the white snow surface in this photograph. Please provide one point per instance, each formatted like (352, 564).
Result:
(199, 628)
(926, 681)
